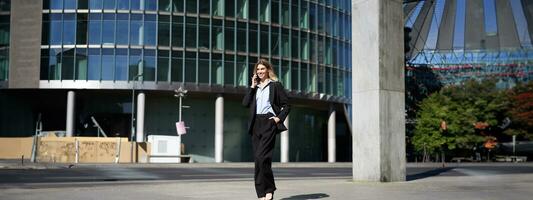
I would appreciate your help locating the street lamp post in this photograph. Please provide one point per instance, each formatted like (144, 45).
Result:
(133, 114)
(180, 93)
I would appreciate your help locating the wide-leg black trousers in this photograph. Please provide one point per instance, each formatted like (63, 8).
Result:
(263, 141)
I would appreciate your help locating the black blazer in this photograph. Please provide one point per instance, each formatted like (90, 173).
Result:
(278, 101)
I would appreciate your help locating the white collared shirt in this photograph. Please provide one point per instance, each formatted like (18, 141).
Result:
(262, 98)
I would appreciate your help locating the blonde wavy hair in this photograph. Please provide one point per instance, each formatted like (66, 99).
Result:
(271, 74)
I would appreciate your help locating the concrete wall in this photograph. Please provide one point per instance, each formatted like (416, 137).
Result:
(25, 47)
(15, 148)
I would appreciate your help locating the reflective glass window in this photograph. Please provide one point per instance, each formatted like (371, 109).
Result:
(149, 65)
(313, 78)
(83, 4)
(304, 78)
(67, 64)
(275, 41)
(96, 4)
(203, 34)
(217, 37)
(108, 64)
(81, 64)
(45, 37)
(263, 48)
(177, 66)
(242, 9)
(108, 29)
(136, 5)
(285, 74)
(122, 29)
(295, 20)
(135, 64)
(150, 29)
(81, 29)
(93, 71)
(304, 15)
(163, 33)
(252, 38)
(54, 65)
(95, 28)
(178, 6)
(294, 46)
(275, 11)
(136, 29)
(285, 13)
(190, 32)
(45, 56)
(264, 11)
(216, 69)
(328, 81)
(320, 15)
(204, 8)
(56, 28)
(165, 5)
(109, 4)
(321, 79)
(124, 4)
(150, 4)
(304, 47)
(190, 67)
(312, 47)
(56, 4)
(69, 28)
(177, 31)
(229, 7)
(241, 37)
(191, 6)
(295, 76)
(121, 64)
(229, 69)
(163, 60)
(203, 68)
(285, 45)
(218, 7)
(229, 36)
(242, 71)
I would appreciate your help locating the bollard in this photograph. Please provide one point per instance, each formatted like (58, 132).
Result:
(22, 160)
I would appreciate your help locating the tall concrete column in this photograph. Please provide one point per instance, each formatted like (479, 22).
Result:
(284, 140)
(71, 96)
(378, 91)
(141, 99)
(219, 129)
(331, 135)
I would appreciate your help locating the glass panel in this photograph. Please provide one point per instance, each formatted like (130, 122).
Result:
(328, 22)
(45, 53)
(229, 69)
(252, 38)
(321, 79)
(136, 29)
(177, 31)
(191, 6)
(264, 9)
(242, 9)
(164, 5)
(4, 64)
(54, 4)
(304, 16)
(218, 7)
(121, 65)
(136, 5)
(69, 29)
(229, 36)
(150, 4)
(163, 59)
(295, 69)
(285, 74)
(70, 4)
(204, 8)
(67, 65)
(163, 33)
(313, 47)
(285, 46)
(190, 67)
(190, 33)
(124, 4)
(313, 78)
(275, 11)
(45, 36)
(216, 69)
(304, 47)
(108, 29)
(305, 87)
(217, 39)
(81, 64)
(242, 71)
(93, 72)
(122, 29)
(203, 68)
(321, 50)
(521, 22)
(83, 4)
(203, 34)
(253, 7)
(275, 41)
(177, 6)
(177, 66)
(149, 65)
(294, 14)
(264, 40)
(328, 81)
(108, 64)
(109, 4)
(135, 64)
(95, 28)
(285, 13)
(229, 8)
(241, 37)
(491, 26)
(150, 28)
(294, 41)
(320, 24)
(81, 31)
(54, 65)
(56, 28)
(459, 37)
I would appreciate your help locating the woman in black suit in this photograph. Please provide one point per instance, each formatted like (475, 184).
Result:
(269, 107)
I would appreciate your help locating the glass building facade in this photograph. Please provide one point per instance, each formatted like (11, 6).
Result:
(5, 6)
(211, 42)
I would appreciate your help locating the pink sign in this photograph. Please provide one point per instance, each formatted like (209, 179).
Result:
(180, 127)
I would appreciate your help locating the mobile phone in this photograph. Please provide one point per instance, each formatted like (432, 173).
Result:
(257, 79)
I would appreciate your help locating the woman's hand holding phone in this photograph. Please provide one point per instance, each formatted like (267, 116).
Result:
(255, 80)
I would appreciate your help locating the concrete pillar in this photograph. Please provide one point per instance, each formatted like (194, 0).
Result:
(219, 129)
(141, 98)
(378, 91)
(71, 96)
(284, 140)
(331, 136)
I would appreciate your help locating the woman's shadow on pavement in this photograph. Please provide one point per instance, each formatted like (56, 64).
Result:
(306, 196)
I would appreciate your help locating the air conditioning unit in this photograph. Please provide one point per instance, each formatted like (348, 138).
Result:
(164, 149)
